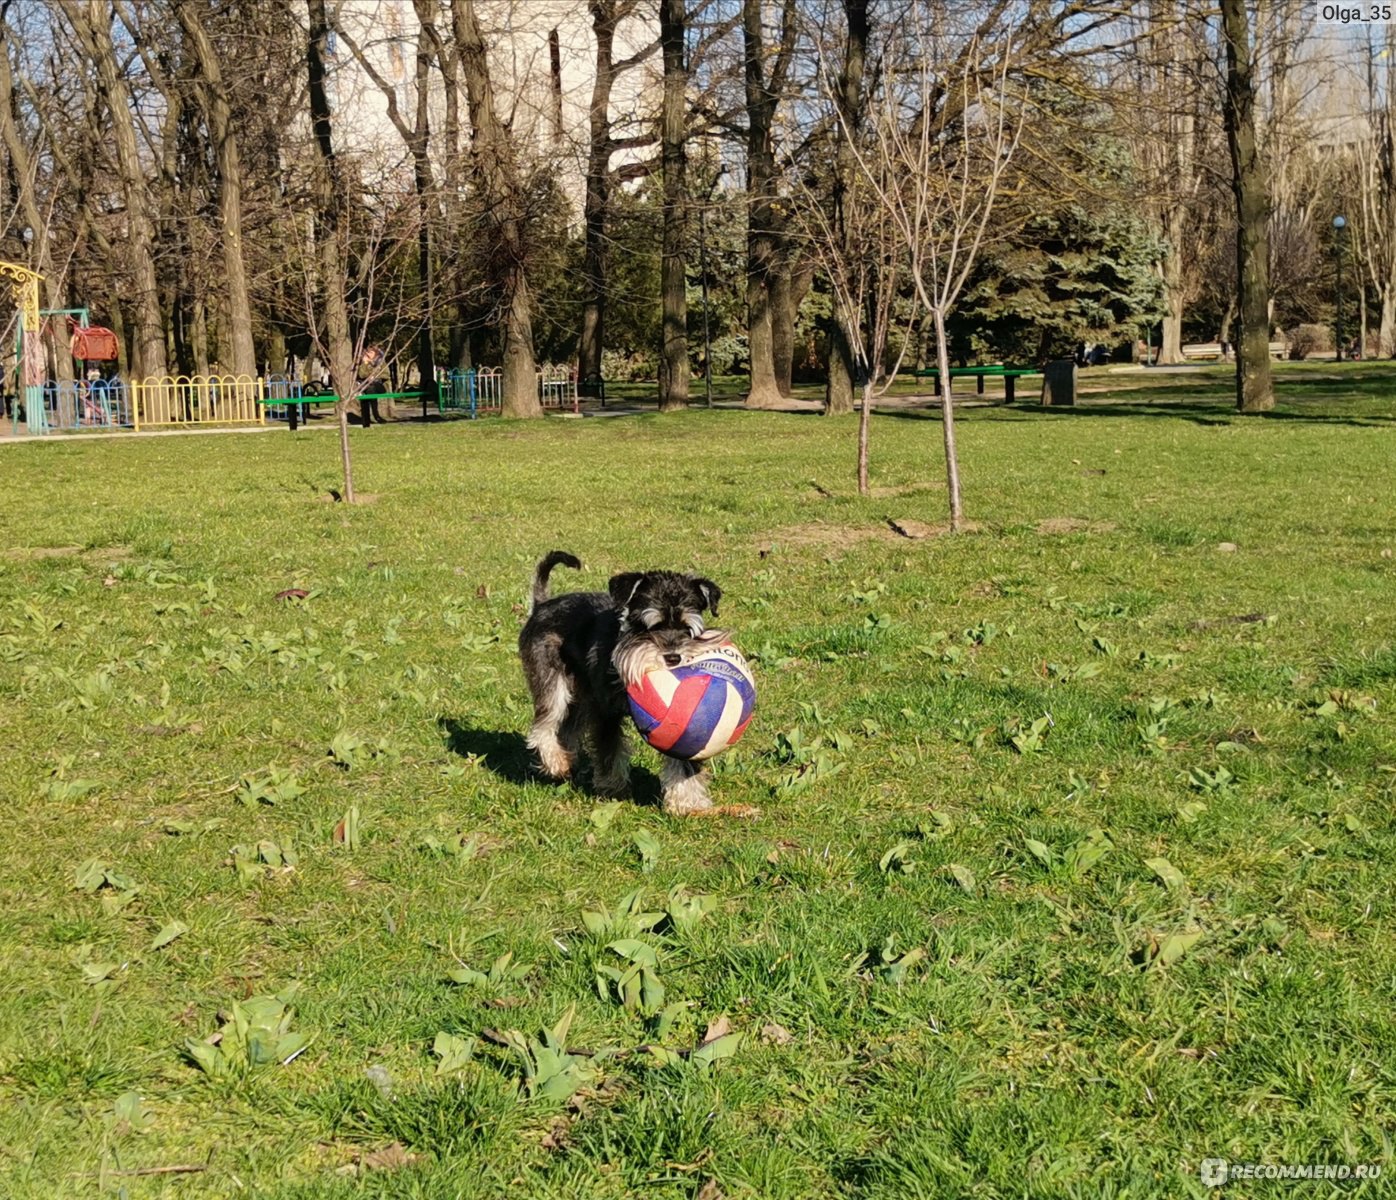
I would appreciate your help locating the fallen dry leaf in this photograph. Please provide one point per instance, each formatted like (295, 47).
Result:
(716, 1029)
(556, 1137)
(291, 594)
(389, 1158)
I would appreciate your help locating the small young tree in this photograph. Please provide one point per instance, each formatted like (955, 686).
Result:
(943, 136)
(859, 247)
(331, 219)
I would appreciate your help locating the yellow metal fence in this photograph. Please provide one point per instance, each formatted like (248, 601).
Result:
(198, 400)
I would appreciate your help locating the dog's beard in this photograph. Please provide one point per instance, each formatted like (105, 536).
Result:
(636, 655)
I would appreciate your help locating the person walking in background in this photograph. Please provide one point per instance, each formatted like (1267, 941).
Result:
(371, 362)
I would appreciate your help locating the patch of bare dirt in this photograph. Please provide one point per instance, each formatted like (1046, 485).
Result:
(915, 530)
(27, 553)
(335, 496)
(1073, 525)
(905, 489)
(823, 536)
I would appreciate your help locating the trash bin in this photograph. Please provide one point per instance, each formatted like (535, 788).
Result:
(1059, 382)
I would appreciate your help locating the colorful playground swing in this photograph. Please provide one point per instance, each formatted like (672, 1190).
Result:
(92, 399)
(92, 343)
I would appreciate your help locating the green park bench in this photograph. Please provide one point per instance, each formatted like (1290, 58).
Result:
(330, 398)
(1009, 375)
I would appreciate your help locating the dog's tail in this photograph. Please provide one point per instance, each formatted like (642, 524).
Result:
(545, 568)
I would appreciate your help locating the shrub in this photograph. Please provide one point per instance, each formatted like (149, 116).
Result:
(1305, 340)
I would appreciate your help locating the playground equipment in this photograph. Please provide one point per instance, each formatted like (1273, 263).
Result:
(91, 343)
(472, 390)
(29, 347)
(557, 387)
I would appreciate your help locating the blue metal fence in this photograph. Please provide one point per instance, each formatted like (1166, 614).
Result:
(78, 404)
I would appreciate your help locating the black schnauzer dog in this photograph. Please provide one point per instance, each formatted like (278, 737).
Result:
(581, 650)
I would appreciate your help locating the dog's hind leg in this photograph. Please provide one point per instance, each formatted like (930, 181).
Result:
(611, 755)
(550, 717)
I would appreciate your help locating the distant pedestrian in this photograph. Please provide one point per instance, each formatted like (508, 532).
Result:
(371, 363)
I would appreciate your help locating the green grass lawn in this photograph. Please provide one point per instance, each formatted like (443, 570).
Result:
(1074, 866)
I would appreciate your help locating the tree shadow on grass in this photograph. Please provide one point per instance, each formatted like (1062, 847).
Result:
(506, 754)
(1203, 413)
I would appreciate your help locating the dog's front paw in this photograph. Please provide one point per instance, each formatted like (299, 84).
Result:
(555, 765)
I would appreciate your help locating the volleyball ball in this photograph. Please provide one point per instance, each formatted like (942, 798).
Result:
(698, 709)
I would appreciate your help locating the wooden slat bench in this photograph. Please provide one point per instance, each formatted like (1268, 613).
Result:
(1213, 350)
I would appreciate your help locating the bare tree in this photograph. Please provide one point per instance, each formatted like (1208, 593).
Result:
(217, 106)
(765, 76)
(416, 135)
(1171, 70)
(848, 99)
(1249, 185)
(674, 369)
(602, 177)
(331, 220)
(24, 168)
(859, 246)
(91, 21)
(1374, 225)
(502, 192)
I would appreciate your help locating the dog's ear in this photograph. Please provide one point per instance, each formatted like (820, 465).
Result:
(711, 593)
(623, 587)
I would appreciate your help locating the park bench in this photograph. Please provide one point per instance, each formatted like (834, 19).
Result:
(1009, 374)
(308, 398)
(593, 387)
(1213, 350)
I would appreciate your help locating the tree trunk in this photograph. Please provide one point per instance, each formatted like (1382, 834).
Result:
(838, 391)
(1171, 334)
(330, 220)
(276, 352)
(1249, 185)
(674, 369)
(92, 23)
(782, 325)
(1386, 204)
(198, 330)
(947, 419)
(1179, 216)
(23, 178)
(763, 227)
(598, 196)
(502, 195)
(422, 181)
(243, 354)
(864, 419)
(459, 272)
(1224, 333)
